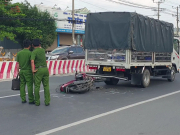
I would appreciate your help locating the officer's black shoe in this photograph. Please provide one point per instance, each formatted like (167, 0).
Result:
(47, 104)
(31, 103)
(24, 102)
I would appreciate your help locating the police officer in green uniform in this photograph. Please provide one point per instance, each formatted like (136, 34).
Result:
(25, 74)
(41, 73)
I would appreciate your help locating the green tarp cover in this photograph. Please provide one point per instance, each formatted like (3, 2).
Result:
(125, 30)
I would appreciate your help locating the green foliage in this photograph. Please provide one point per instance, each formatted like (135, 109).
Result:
(8, 27)
(21, 21)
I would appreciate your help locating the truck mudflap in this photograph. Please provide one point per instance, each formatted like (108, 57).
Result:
(136, 79)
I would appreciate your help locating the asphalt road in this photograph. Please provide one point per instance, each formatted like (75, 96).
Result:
(158, 117)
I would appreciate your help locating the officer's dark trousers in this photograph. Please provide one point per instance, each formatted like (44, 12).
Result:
(42, 75)
(26, 77)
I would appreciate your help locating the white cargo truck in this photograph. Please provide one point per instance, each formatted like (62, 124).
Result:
(128, 46)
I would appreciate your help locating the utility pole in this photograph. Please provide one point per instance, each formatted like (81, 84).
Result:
(159, 9)
(177, 20)
(73, 22)
(177, 15)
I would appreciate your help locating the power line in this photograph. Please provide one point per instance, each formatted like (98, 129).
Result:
(170, 11)
(131, 5)
(173, 2)
(167, 4)
(93, 5)
(125, 1)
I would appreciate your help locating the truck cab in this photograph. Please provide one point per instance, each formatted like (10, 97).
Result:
(176, 53)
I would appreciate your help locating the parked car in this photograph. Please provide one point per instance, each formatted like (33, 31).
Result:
(66, 52)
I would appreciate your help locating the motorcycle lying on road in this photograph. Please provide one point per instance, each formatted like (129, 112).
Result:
(81, 84)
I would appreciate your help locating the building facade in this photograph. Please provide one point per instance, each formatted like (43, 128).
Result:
(64, 25)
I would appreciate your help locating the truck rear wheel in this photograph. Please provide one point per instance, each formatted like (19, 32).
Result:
(172, 75)
(145, 78)
(112, 81)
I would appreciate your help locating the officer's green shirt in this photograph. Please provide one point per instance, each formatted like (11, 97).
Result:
(39, 57)
(23, 57)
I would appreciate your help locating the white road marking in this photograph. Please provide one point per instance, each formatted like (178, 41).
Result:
(104, 114)
(58, 75)
(5, 80)
(16, 95)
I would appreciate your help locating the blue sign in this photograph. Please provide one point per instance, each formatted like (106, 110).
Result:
(70, 31)
(78, 20)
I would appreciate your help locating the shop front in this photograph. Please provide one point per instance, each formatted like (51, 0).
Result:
(64, 27)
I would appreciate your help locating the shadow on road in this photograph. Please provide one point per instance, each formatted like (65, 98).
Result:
(125, 86)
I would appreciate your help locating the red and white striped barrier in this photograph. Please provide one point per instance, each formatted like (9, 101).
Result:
(9, 69)
(66, 66)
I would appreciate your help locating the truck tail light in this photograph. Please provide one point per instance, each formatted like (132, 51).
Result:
(93, 67)
(120, 69)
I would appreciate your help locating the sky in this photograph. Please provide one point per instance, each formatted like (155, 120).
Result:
(106, 5)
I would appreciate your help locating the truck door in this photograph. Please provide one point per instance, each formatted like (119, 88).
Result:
(176, 55)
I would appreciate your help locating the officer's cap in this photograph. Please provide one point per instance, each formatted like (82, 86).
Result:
(36, 42)
(26, 43)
